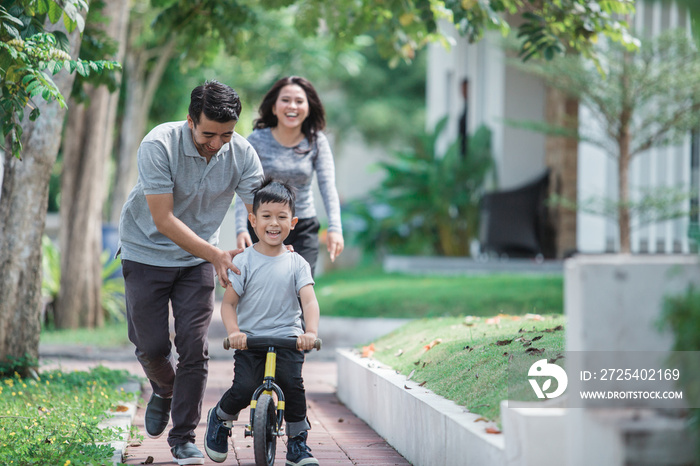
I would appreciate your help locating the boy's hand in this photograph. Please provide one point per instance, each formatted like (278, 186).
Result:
(306, 341)
(238, 340)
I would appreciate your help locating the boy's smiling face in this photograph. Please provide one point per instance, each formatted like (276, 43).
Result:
(272, 223)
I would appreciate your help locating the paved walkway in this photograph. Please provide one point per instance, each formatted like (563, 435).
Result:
(337, 436)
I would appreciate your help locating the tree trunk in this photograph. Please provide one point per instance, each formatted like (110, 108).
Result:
(23, 206)
(624, 139)
(623, 183)
(562, 161)
(140, 91)
(86, 149)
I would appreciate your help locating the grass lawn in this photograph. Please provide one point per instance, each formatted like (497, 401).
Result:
(369, 292)
(470, 364)
(111, 335)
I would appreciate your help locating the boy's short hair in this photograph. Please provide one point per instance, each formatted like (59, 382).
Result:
(272, 190)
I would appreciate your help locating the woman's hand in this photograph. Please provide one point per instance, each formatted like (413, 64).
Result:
(243, 240)
(336, 244)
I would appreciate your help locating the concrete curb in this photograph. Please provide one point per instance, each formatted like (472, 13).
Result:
(122, 420)
(425, 428)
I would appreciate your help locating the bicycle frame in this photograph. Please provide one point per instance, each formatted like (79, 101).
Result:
(268, 387)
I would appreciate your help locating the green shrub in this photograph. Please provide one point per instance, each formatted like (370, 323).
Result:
(428, 202)
(112, 293)
(54, 418)
(682, 315)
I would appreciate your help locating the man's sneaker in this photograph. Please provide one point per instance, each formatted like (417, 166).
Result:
(157, 415)
(216, 436)
(187, 453)
(298, 452)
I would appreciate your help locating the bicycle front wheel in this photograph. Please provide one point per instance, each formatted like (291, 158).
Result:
(264, 430)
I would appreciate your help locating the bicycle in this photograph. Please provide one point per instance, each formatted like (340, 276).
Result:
(266, 413)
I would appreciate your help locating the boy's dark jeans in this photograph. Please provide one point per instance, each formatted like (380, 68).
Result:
(248, 373)
(190, 290)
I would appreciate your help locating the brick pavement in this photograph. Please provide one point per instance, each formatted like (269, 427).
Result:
(337, 436)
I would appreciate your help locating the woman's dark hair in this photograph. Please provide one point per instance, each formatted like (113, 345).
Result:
(316, 120)
(273, 190)
(217, 101)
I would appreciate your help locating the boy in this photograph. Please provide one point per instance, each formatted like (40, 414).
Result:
(264, 300)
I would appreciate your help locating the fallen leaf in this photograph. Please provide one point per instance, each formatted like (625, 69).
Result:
(538, 337)
(555, 329)
(121, 409)
(477, 375)
(510, 358)
(406, 387)
(149, 460)
(432, 344)
(398, 353)
(411, 374)
(535, 350)
(533, 317)
(504, 342)
(492, 430)
(422, 383)
(368, 351)
(481, 419)
(340, 419)
(493, 320)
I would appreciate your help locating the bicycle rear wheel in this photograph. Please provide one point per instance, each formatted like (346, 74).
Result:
(264, 430)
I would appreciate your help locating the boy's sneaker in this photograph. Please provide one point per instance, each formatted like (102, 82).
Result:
(157, 415)
(298, 451)
(216, 436)
(187, 453)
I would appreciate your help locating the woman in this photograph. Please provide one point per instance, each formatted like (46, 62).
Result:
(289, 140)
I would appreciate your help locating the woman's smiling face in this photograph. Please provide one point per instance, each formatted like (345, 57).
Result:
(291, 107)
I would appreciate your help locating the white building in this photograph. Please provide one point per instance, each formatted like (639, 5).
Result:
(498, 92)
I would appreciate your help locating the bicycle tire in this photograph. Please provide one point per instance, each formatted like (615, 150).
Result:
(264, 430)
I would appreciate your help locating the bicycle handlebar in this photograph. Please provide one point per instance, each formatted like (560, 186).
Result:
(262, 342)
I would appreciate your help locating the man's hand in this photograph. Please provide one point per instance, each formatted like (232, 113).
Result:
(238, 340)
(223, 262)
(306, 341)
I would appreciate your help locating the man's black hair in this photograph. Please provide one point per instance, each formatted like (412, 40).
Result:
(218, 102)
(273, 190)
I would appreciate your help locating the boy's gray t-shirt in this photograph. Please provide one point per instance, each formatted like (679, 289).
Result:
(169, 162)
(268, 288)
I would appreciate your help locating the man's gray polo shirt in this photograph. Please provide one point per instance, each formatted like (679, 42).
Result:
(168, 162)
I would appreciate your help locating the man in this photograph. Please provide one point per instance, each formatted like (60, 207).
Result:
(169, 229)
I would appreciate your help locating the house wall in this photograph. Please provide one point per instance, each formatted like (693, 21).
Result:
(496, 92)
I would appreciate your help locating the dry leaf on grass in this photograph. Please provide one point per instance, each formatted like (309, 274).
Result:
(368, 351)
(432, 344)
(121, 409)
